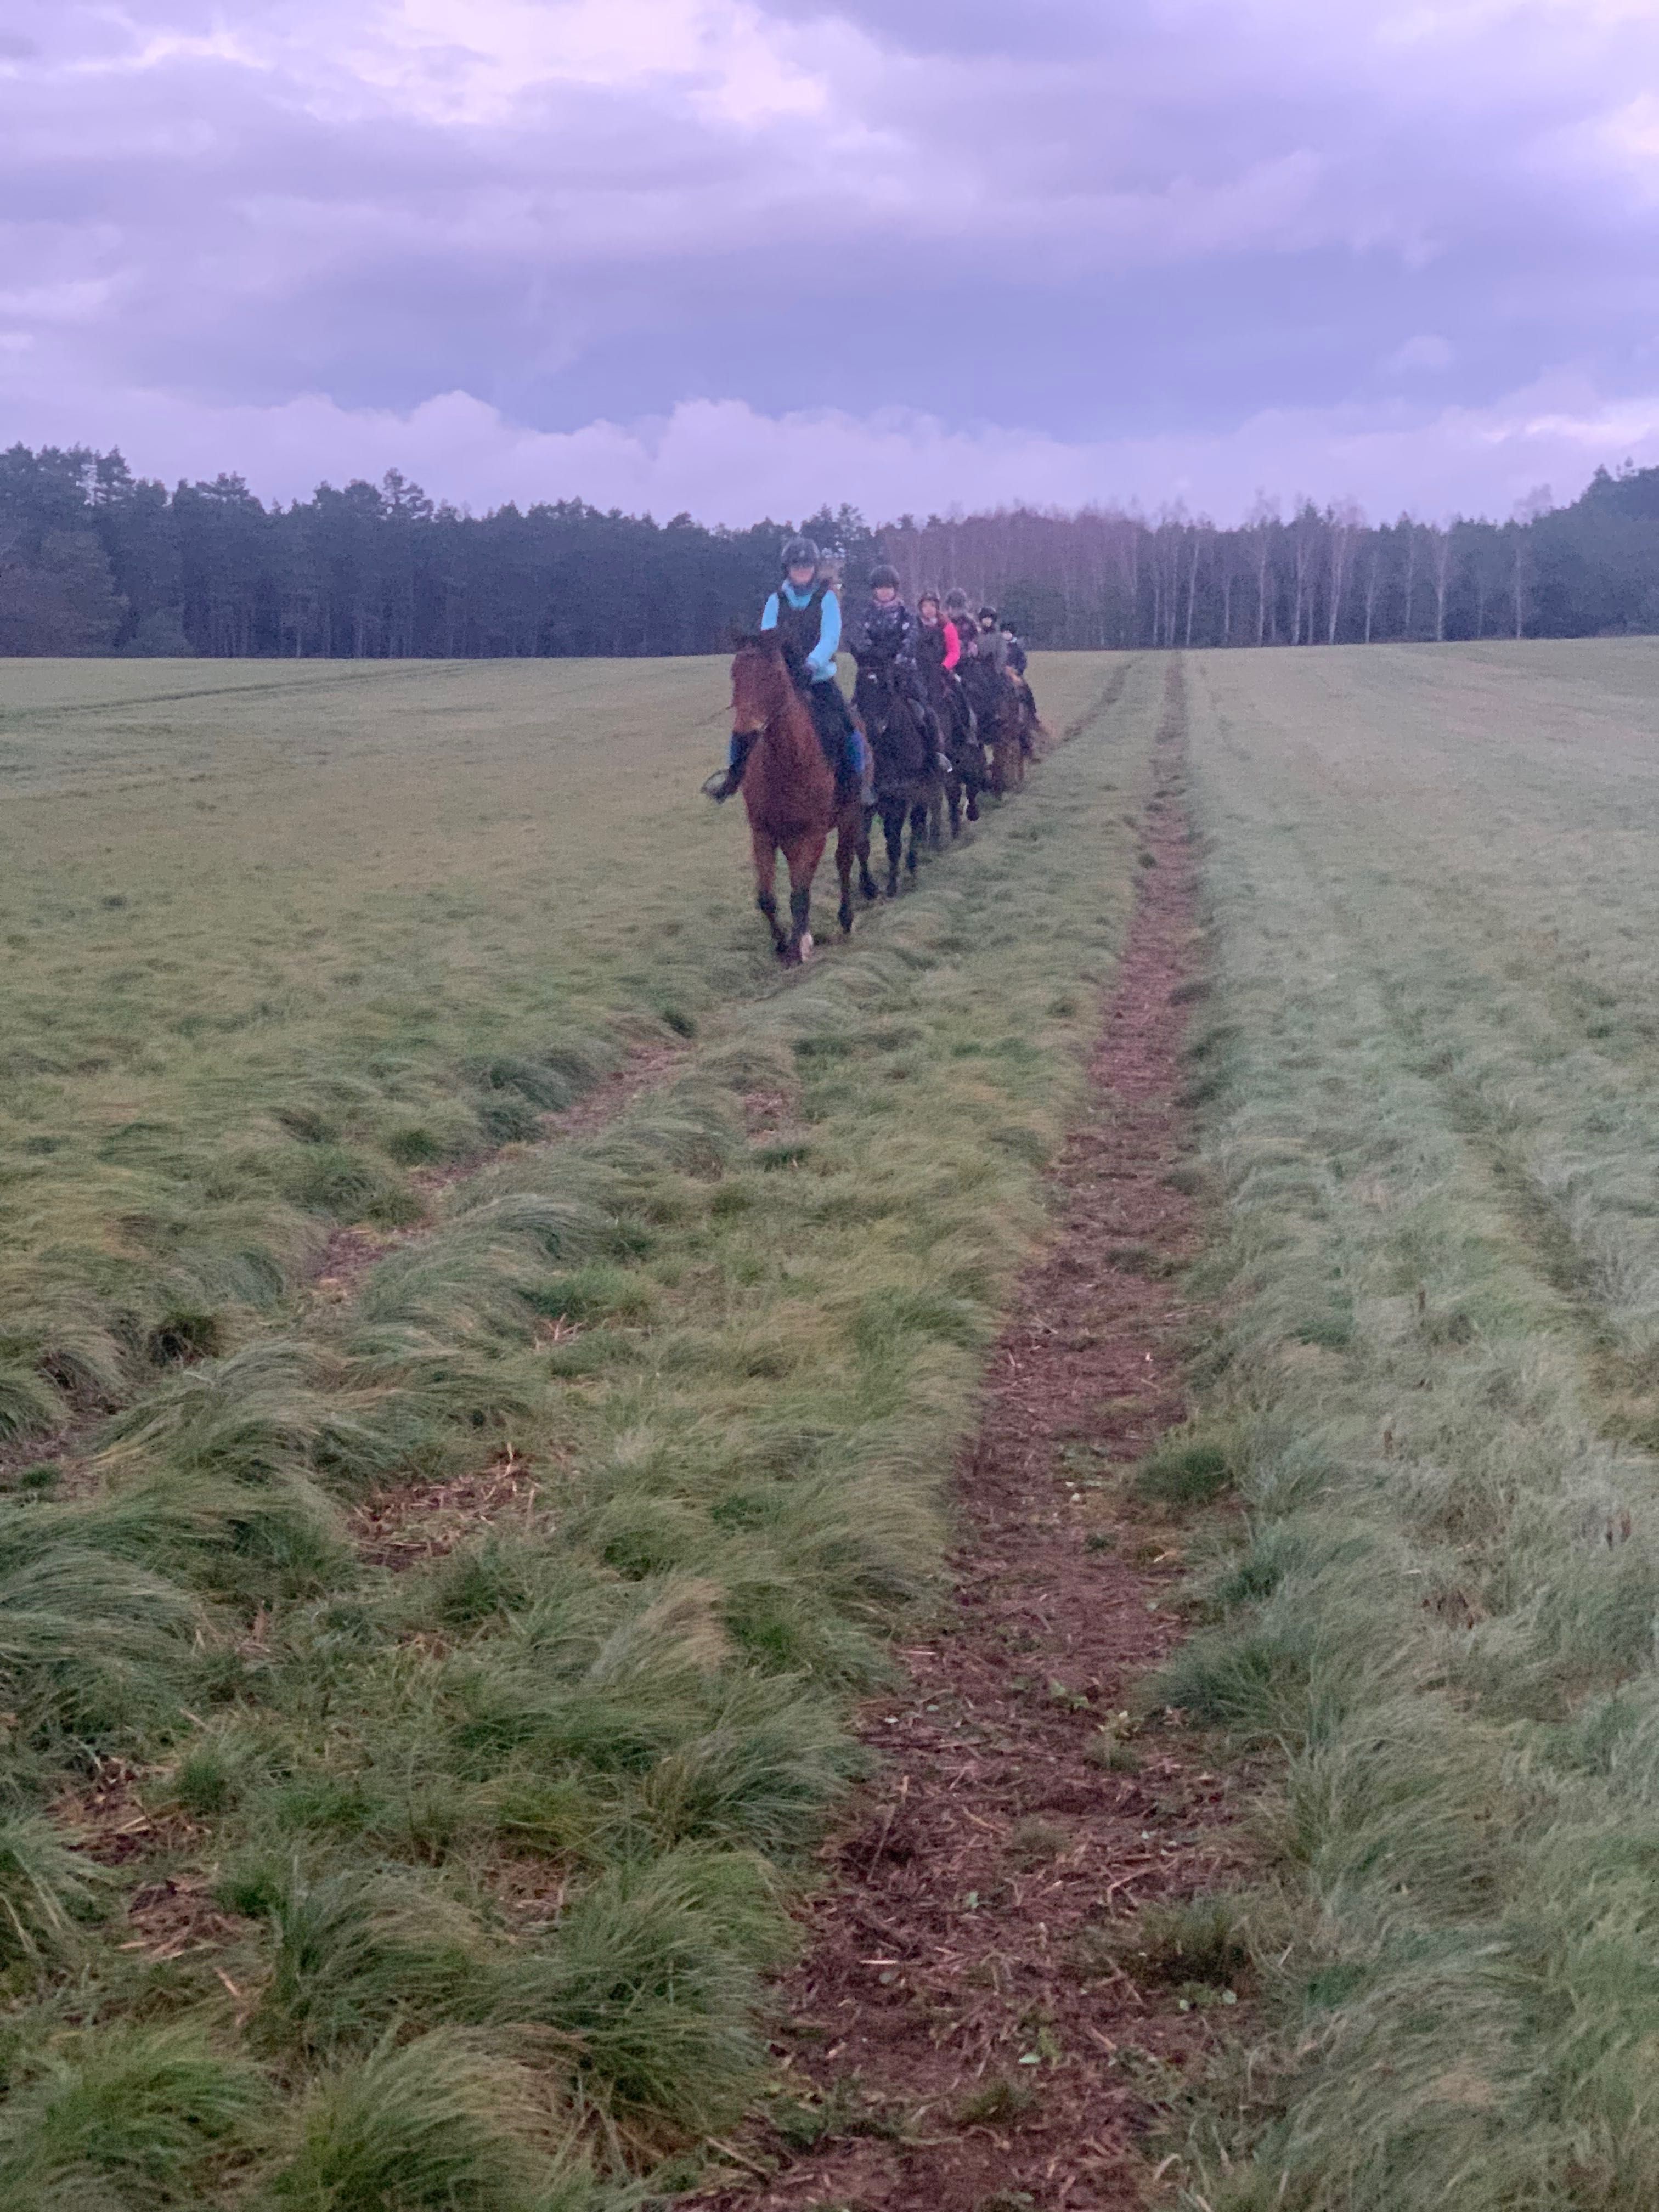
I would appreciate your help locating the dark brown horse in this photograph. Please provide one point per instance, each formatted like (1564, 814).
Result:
(969, 774)
(789, 789)
(902, 745)
(997, 711)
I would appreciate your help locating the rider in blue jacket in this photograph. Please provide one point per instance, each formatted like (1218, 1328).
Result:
(806, 612)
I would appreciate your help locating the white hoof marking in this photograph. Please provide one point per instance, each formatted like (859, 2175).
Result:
(806, 945)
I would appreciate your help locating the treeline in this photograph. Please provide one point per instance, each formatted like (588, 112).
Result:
(1319, 576)
(95, 559)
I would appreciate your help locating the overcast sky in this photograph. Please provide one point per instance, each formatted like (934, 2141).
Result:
(741, 256)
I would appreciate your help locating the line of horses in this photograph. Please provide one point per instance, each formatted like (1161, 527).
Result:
(790, 789)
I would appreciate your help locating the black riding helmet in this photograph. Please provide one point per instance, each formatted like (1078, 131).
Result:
(798, 553)
(883, 573)
(988, 614)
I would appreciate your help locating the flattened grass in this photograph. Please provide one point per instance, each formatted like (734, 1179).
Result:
(480, 1864)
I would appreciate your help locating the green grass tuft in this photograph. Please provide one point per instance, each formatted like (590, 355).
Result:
(1187, 1470)
(1202, 1940)
(153, 2110)
(649, 1984)
(44, 1887)
(356, 1950)
(440, 2124)
(29, 1406)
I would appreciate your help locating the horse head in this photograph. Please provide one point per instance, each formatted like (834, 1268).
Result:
(763, 675)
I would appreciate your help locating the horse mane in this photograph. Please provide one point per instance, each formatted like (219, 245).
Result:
(775, 642)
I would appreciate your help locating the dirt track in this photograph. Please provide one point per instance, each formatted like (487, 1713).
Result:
(952, 2032)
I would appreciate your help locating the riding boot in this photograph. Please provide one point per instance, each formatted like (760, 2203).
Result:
(858, 772)
(724, 786)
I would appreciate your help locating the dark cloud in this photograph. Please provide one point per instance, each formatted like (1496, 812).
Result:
(1089, 224)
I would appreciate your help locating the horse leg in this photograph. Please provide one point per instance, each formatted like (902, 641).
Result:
(918, 831)
(893, 830)
(867, 886)
(802, 857)
(847, 844)
(766, 870)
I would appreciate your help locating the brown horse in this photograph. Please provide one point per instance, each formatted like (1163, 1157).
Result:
(997, 710)
(789, 789)
(1008, 746)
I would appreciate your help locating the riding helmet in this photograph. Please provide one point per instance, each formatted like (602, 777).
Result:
(988, 614)
(800, 553)
(883, 573)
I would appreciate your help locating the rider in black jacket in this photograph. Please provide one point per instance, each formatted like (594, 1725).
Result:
(886, 638)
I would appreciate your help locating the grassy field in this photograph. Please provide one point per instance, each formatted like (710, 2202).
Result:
(1429, 1074)
(271, 937)
(418, 1719)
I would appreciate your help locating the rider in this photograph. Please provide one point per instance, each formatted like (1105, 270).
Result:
(937, 638)
(992, 645)
(938, 649)
(1018, 662)
(806, 614)
(887, 636)
(959, 615)
(888, 630)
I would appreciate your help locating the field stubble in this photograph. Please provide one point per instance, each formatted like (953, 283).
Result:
(357, 1854)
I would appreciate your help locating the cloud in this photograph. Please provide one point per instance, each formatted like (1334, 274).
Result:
(1424, 354)
(1142, 231)
(723, 461)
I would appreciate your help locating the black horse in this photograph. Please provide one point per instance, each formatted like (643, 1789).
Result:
(965, 753)
(901, 743)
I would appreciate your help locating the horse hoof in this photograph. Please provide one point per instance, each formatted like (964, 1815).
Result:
(804, 950)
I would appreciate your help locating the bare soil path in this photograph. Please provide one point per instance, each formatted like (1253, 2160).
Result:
(959, 2036)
